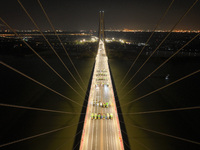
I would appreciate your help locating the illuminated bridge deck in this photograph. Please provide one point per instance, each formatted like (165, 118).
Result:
(104, 133)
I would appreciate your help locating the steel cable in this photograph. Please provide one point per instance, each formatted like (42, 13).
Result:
(37, 135)
(160, 20)
(28, 77)
(49, 44)
(39, 109)
(61, 42)
(161, 42)
(161, 65)
(160, 88)
(161, 110)
(40, 57)
(164, 134)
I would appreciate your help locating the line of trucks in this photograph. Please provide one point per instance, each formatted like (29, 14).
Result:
(101, 104)
(101, 116)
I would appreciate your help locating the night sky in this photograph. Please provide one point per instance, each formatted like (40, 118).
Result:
(74, 15)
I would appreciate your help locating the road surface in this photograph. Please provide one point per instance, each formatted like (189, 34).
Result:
(104, 133)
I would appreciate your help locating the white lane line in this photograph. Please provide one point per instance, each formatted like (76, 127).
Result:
(96, 141)
(92, 135)
(90, 123)
(116, 135)
(107, 139)
(106, 134)
(115, 131)
(110, 136)
(92, 127)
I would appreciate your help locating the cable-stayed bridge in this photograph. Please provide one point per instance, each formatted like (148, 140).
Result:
(101, 125)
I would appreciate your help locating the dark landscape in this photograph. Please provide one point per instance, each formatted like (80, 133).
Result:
(16, 89)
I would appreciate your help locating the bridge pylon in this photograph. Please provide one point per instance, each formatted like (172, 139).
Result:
(101, 26)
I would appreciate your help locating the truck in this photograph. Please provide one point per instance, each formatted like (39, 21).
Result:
(104, 105)
(111, 116)
(95, 116)
(92, 116)
(99, 116)
(108, 116)
(107, 104)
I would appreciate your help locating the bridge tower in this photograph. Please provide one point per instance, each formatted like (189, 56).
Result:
(101, 129)
(101, 26)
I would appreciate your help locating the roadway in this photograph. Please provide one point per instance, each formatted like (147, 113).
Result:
(104, 133)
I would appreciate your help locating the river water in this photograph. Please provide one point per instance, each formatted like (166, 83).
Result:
(19, 123)
(15, 89)
(184, 124)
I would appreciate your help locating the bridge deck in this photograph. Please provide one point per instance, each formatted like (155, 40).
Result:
(104, 133)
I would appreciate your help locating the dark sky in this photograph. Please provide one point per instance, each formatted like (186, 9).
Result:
(73, 15)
